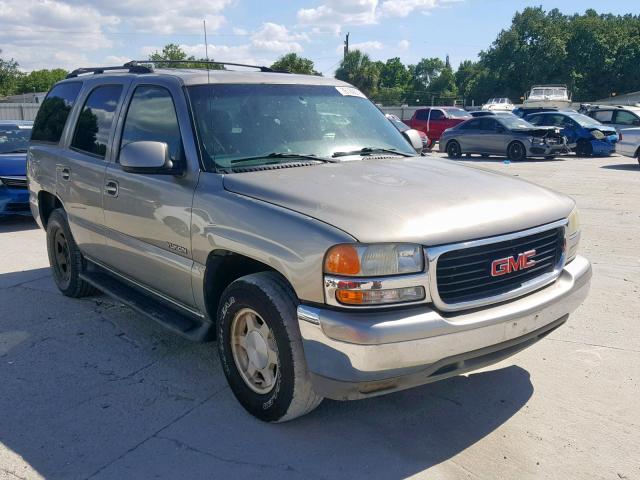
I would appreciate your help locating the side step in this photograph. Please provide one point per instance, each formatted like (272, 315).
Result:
(147, 303)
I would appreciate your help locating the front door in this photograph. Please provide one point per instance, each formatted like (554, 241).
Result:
(148, 216)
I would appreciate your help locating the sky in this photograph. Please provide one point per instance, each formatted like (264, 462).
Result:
(75, 33)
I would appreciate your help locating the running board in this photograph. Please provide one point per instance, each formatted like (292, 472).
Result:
(147, 303)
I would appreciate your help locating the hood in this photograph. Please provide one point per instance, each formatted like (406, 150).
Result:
(418, 199)
(13, 164)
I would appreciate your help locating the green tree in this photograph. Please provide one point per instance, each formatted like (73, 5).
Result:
(444, 86)
(173, 52)
(40, 80)
(292, 62)
(358, 69)
(9, 76)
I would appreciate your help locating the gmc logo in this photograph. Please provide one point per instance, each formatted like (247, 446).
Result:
(502, 266)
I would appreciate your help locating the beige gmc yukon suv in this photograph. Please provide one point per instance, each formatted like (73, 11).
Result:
(285, 217)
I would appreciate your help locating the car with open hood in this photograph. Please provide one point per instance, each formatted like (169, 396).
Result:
(286, 218)
(504, 135)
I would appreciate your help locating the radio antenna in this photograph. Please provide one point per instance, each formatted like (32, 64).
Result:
(206, 47)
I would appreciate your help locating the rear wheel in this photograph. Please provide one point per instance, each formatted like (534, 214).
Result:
(484, 155)
(584, 148)
(453, 149)
(261, 350)
(65, 258)
(516, 152)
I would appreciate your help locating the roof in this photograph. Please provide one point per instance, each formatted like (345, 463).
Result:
(203, 77)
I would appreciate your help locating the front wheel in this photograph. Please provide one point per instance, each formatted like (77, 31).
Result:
(453, 149)
(584, 148)
(260, 348)
(516, 152)
(65, 258)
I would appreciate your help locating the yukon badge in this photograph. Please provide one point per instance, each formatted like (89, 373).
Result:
(506, 265)
(177, 248)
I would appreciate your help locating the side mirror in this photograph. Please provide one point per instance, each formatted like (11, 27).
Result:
(414, 139)
(147, 157)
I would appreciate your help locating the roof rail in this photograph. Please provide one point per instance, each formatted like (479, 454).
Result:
(131, 67)
(135, 63)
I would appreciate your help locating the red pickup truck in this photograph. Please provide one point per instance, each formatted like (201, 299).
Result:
(435, 120)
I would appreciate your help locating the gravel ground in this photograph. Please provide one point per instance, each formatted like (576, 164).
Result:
(90, 389)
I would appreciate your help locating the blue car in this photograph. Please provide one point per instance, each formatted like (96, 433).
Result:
(585, 135)
(14, 140)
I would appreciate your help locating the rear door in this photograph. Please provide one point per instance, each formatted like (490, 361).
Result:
(436, 124)
(470, 136)
(80, 171)
(492, 138)
(149, 215)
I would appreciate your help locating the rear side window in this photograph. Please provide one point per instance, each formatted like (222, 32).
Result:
(96, 120)
(624, 117)
(152, 117)
(422, 115)
(603, 116)
(54, 111)
(471, 124)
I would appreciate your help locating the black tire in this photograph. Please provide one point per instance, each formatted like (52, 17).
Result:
(584, 148)
(549, 157)
(453, 149)
(65, 258)
(271, 297)
(484, 155)
(516, 152)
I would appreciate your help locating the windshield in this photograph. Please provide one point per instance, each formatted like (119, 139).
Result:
(458, 113)
(14, 140)
(514, 123)
(241, 121)
(584, 121)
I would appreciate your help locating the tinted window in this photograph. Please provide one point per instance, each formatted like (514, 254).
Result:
(603, 116)
(471, 124)
(96, 120)
(152, 117)
(536, 119)
(487, 124)
(14, 139)
(422, 115)
(624, 117)
(437, 115)
(54, 111)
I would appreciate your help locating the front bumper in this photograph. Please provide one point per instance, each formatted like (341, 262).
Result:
(353, 355)
(603, 147)
(14, 200)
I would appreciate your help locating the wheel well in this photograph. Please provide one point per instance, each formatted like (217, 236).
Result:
(638, 153)
(47, 203)
(224, 267)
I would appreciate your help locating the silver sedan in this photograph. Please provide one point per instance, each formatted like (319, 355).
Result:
(504, 135)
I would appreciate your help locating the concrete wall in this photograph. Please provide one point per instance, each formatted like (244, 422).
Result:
(18, 111)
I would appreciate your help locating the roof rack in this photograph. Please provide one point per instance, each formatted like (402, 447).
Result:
(132, 68)
(137, 63)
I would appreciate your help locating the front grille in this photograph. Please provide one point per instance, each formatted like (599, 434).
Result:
(465, 275)
(15, 182)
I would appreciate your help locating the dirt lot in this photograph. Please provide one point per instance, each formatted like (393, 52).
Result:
(90, 389)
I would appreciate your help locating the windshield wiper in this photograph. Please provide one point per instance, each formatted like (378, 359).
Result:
(370, 151)
(279, 155)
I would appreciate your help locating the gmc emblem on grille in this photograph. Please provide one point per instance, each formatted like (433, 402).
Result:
(502, 266)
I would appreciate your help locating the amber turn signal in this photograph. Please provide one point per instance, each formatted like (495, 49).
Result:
(343, 260)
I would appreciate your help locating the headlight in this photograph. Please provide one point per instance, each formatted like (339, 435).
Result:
(374, 260)
(536, 140)
(597, 134)
(374, 274)
(573, 235)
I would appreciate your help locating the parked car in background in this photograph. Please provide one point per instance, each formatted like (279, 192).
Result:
(488, 113)
(498, 103)
(14, 141)
(435, 120)
(584, 134)
(502, 135)
(403, 127)
(326, 258)
(555, 96)
(629, 143)
(620, 117)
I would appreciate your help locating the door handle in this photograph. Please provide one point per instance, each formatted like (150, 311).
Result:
(111, 188)
(65, 173)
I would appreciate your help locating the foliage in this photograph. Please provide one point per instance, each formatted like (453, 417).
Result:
(174, 52)
(9, 75)
(39, 80)
(293, 63)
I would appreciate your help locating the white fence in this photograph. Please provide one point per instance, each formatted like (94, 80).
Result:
(18, 111)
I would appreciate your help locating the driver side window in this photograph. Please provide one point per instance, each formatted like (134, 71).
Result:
(152, 117)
